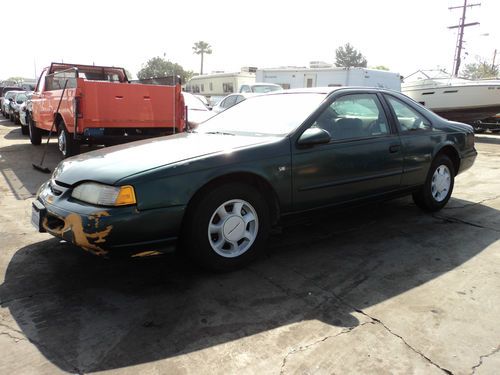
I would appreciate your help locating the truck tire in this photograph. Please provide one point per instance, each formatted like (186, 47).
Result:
(34, 132)
(68, 146)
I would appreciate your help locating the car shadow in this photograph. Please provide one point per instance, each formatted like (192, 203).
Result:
(15, 133)
(87, 314)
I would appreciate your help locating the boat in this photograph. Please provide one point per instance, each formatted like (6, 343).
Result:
(453, 98)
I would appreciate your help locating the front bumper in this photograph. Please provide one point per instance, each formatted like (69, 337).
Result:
(105, 230)
(467, 160)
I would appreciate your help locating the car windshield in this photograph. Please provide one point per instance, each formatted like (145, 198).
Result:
(265, 88)
(276, 114)
(192, 102)
(20, 98)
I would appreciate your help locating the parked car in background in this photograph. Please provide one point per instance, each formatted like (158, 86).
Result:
(3, 91)
(15, 105)
(230, 100)
(260, 88)
(6, 99)
(25, 114)
(197, 111)
(219, 189)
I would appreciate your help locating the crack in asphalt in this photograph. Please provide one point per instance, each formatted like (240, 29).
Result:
(481, 358)
(306, 347)
(37, 344)
(454, 220)
(15, 338)
(342, 301)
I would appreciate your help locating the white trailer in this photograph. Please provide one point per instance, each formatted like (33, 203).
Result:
(219, 84)
(292, 77)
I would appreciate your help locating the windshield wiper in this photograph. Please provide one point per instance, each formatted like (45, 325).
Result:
(221, 133)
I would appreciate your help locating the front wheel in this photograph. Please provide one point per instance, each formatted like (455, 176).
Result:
(437, 189)
(226, 228)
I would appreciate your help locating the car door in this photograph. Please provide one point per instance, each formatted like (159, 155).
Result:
(362, 159)
(418, 139)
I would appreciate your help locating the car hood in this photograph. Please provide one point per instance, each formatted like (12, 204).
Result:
(111, 164)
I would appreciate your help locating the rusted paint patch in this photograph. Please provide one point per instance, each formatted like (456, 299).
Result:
(73, 223)
(97, 217)
(147, 253)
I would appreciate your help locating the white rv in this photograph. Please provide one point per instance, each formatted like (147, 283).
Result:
(299, 77)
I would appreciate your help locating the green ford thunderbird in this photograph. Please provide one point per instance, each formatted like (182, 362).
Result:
(219, 189)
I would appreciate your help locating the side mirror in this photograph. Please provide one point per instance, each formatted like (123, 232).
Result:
(314, 136)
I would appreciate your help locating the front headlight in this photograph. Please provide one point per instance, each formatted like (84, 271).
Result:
(104, 195)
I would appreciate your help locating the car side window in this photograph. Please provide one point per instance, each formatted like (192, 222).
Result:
(408, 119)
(354, 116)
(245, 88)
(229, 102)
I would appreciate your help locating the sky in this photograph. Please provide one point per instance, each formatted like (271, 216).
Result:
(403, 35)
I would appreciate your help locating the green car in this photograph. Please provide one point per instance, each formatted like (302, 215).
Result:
(218, 190)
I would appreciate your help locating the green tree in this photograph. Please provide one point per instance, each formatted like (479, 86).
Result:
(158, 67)
(381, 67)
(348, 56)
(481, 69)
(16, 79)
(202, 48)
(129, 74)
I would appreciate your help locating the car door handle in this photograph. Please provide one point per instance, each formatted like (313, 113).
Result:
(394, 148)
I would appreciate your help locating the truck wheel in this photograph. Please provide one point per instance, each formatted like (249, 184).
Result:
(67, 145)
(35, 133)
(226, 228)
(438, 186)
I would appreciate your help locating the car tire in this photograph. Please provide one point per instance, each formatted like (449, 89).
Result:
(68, 146)
(226, 228)
(34, 132)
(438, 186)
(24, 130)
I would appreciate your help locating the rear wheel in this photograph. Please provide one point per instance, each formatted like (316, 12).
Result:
(34, 132)
(67, 144)
(227, 227)
(437, 189)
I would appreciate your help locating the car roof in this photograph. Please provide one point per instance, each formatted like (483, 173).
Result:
(329, 90)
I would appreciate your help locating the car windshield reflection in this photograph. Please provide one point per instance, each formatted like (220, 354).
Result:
(277, 114)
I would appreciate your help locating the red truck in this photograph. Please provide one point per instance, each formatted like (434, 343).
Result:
(100, 105)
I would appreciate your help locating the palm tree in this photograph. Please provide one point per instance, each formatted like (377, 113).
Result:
(201, 48)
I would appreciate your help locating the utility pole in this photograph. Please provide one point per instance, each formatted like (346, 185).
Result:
(461, 26)
(494, 57)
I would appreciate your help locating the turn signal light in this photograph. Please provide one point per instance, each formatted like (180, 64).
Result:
(125, 196)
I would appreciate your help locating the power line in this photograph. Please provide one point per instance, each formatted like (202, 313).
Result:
(458, 51)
